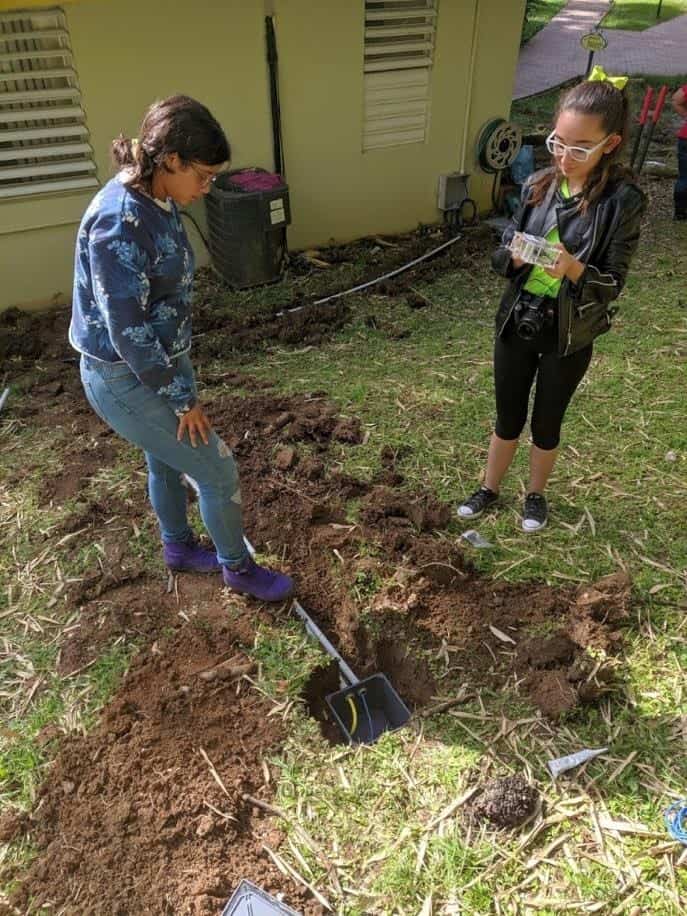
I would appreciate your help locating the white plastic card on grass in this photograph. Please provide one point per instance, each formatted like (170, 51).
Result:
(476, 539)
(561, 764)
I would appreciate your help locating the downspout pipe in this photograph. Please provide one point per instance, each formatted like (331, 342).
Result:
(471, 78)
(273, 68)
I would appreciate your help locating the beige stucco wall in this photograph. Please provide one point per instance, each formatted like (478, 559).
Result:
(340, 192)
(129, 52)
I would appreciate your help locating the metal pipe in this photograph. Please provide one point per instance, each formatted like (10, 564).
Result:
(273, 68)
(315, 631)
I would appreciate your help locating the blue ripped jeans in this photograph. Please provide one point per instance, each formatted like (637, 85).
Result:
(142, 417)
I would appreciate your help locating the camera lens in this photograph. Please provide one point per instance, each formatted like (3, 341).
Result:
(530, 322)
(527, 330)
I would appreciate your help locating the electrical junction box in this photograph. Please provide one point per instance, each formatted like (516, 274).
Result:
(453, 190)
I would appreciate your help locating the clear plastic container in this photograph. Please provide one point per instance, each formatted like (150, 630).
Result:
(532, 249)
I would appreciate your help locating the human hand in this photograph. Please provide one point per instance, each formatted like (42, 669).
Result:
(517, 262)
(565, 266)
(196, 423)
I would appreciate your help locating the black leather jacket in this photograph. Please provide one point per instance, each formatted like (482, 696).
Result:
(604, 239)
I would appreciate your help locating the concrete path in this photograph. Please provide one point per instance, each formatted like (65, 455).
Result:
(555, 55)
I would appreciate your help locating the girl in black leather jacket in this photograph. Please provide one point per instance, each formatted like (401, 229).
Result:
(588, 206)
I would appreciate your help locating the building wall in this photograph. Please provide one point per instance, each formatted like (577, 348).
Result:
(340, 192)
(129, 52)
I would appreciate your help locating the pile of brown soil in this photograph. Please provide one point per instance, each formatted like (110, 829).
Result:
(133, 818)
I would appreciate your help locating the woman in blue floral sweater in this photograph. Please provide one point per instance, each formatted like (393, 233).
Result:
(131, 322)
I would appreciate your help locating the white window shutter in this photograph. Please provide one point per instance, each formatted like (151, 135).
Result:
(44, 144)
(399, 51)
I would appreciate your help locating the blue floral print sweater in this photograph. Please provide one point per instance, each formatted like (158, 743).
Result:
(132, 289)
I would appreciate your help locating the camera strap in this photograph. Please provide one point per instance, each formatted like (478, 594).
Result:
(538, 227)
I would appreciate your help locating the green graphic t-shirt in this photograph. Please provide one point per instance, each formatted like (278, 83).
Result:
(539, 282)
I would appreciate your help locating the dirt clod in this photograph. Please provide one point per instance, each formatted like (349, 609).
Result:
(383, 506)
(506, 802)
(348, 431)
(286, 458)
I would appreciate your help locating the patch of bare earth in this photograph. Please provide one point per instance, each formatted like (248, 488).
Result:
(148, 812)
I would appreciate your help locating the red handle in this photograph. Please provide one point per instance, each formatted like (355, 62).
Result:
(659, 103)
(646, 104)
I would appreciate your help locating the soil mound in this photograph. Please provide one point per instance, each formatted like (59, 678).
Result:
(504, 802)
(147, 813)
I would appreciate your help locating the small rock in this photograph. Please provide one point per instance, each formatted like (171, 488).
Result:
(671, 456)
(282, 420)
(205, 826)
(312, 468)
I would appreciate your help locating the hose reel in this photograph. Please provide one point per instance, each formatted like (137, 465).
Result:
(498, 145)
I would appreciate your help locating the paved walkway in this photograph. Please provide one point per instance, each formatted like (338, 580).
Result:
(555, 55)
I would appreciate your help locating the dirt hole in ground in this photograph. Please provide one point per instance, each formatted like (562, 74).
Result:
(321, 683)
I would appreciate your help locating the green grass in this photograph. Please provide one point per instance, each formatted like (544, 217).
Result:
(638, 15)
(285, 656)
(537, 14)
(377, 840)
(617, 499)
(536, 112)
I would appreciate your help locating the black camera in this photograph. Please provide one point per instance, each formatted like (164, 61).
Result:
(532, 315)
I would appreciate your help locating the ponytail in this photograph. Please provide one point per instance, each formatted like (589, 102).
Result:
(129, 154)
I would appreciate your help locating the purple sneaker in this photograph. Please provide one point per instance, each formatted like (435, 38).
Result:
(189, 556)
(251, 579)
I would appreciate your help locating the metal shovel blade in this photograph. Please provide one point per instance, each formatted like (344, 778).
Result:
(250, 900)
(365, 710)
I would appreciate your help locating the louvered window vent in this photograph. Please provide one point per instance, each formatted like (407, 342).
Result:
(44, 144)
(399, 51)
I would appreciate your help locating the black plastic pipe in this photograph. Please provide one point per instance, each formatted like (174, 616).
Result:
(273, 67)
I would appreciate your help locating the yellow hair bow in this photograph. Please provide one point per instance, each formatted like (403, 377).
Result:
(599, 75)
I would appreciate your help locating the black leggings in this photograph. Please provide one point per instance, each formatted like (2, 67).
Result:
(516, 362)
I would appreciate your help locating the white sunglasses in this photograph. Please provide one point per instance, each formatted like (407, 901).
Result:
(578, 153)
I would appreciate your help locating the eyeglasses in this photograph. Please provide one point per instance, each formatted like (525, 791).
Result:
(578, 153)
(205, 178)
